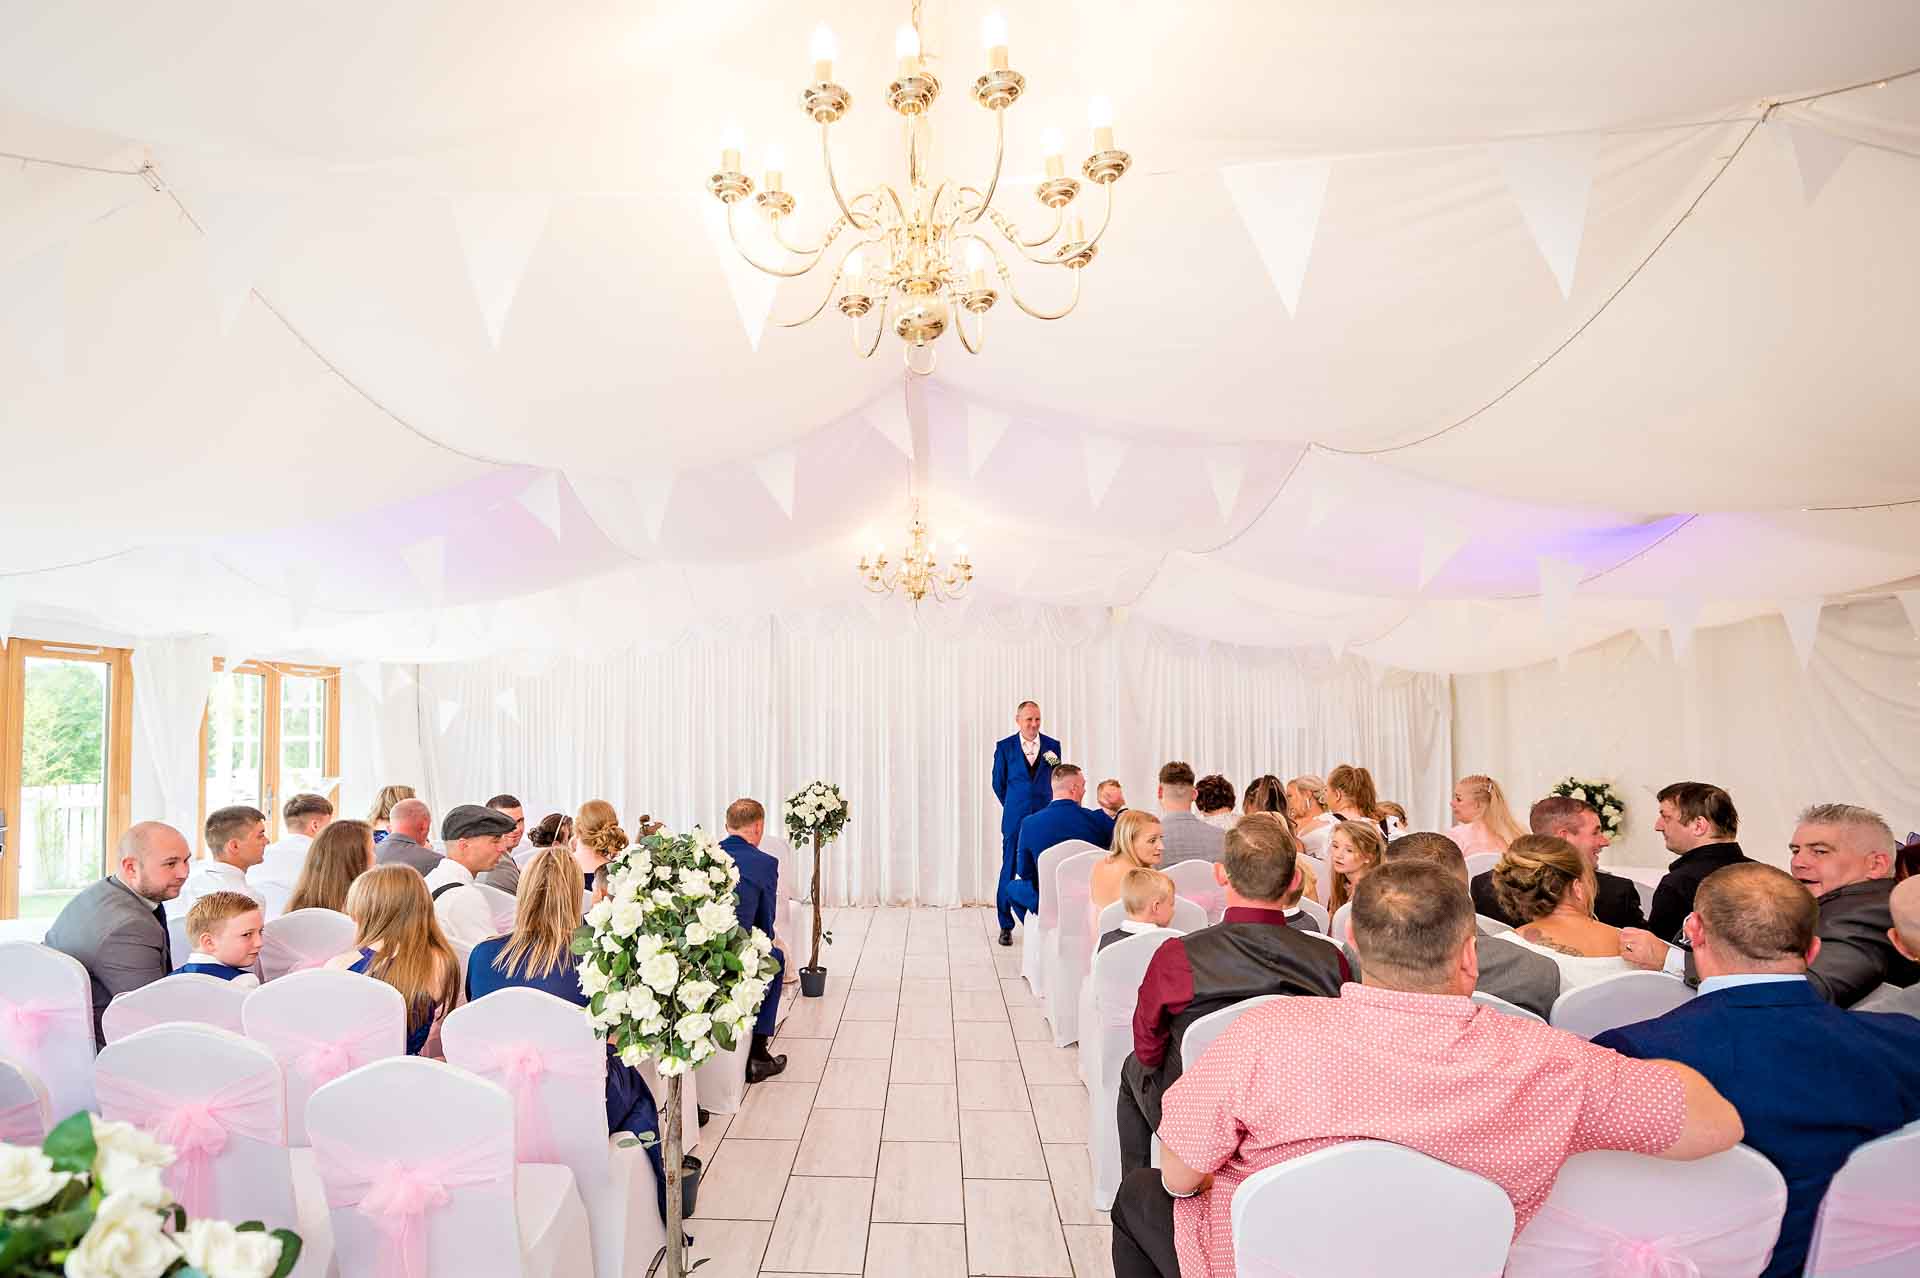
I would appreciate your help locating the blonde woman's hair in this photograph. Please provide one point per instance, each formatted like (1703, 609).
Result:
(1535, 874)
(393, 910)
(338, 855)
(1366, 842)
(545, 914)
(1357, 784)
(1313, 787)
(598, 827)
(1141, 890)
(1496, 816)
(1309, 884)
(383, 804)
(1132, 825)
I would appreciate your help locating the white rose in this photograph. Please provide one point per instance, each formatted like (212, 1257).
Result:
(693, 995)
(715, 916)
(124, 1241)
(1579, 794)
(718, 874)
(632, 1055)
(592, 979)
(660, 972)
(221, 1251)
(663, 898)
(27, 1178)
(697, 934)
(646, 946)
(702, 1050)
(641, 1004)
(127, 1161)
(616, 1002)
(653, 1025)
(663, 872)
(627, 918)
(694, 883)
(762, 942)
(693, 1027)
(610, 944)
(602, 910)
(668, 1066)
(741, 1027)
(1611, 811)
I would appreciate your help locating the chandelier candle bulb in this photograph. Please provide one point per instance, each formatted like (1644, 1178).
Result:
(732, 142)
(1100, 118)
(906, 47)
(1052, 144)
(993, 33)
(776, 166)
(824, 49)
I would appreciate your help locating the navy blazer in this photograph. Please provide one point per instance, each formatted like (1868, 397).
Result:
(1811, 1082)
(759, 886)
(1022, 791)
(1059, 821)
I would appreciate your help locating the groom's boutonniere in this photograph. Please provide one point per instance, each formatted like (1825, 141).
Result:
(1050, 758)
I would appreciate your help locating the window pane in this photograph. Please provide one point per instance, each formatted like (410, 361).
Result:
(303, 735)
(235, 710)
(63, 782)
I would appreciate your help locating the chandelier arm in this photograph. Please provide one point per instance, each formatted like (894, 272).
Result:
(880, 330)
(1011, 235)
(833, 184)
(960, 327)
(1014, 293)
(1106, 218)
(734, 234)
(999, 154)
(780, 237)
(839, 273)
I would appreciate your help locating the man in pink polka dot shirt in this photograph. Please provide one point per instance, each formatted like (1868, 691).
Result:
(1406, 1057)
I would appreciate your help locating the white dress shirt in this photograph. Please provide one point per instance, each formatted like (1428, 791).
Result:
(1030, 748)
(213, 875)
(280, 868)
(463, 911)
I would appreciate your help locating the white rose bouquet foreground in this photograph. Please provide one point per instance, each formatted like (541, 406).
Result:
(89, 1203)
(817, 812)
(1603, 799)
(671, 975)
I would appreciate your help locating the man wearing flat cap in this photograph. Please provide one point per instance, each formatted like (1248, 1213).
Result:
(474, 837)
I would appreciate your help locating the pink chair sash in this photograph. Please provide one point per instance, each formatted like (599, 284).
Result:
(321, 1060)
(27, 1023)
(1261, 1267)
(397, 1196)
(1573, 1244)
(520, 1066)
(1860, 1229)
(197, 1127)
(23, 1124)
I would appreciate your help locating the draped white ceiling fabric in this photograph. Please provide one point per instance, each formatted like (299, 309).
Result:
(1457, 336)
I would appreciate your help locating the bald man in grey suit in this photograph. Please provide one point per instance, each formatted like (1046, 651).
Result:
(117, 927)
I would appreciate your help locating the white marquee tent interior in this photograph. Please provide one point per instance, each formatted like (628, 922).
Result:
(1517, 387)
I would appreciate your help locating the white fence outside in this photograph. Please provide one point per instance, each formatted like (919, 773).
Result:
(59, 837)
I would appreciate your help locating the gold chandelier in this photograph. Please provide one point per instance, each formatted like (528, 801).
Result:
(907, 262)
(918, 573)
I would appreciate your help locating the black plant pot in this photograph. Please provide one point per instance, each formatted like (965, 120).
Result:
(813, 982)
(689, 1186)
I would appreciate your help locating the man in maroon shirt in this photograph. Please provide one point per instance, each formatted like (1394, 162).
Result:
(1250, 952)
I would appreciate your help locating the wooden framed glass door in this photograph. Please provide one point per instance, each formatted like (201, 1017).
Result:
(271, 731)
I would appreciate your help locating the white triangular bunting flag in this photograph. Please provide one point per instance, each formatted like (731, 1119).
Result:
(1319, 505)
(776, 471)
(1103, 455)
(244, 235)
(427, 561)
(1910, 603)
(1816, 153)
(1558, 580)
(1226, 467)
(372, 676)
(1650, 636)
(888, 416)
(326, 785)
(449, 711)
(541, 499)
(33, 311)
(507, 703)
(1439, 543)
(651, 496)
(498, 232)
(1551, 179)
(753, 289)
(299, 595)
(1279, 203)
(1803, 626)
(985, 426)
(1683, 615)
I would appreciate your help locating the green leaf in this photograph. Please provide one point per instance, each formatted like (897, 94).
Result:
(731, 962)
(289, 1252)
(19, 1243)
(70, 1145)
(187, 1271)
(598, 1004)
(179, 1217)
(67, 1227)
(621, 962)
(582, 940)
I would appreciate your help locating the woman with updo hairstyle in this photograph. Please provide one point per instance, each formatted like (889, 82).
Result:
(1354, 851)
(1266, 794)
(1137, 844)
(1351, 795)
(339, 854)
(1213, 801)
(554, 830)
(1484, 822)
(1307, 809)
(1545, 883)
(597, 839)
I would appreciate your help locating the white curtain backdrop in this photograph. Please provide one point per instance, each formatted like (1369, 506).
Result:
(171, 679)
(1738, 712)
(904, 718)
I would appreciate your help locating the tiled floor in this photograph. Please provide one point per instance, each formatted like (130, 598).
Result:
(925, 1127)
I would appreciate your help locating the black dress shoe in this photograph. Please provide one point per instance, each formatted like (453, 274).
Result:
(705, 1115)
(760, 1069)
(1006, 936)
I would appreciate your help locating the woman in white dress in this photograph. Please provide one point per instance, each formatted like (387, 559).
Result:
(1307, 810)
(1483, 821)
(1546, 884)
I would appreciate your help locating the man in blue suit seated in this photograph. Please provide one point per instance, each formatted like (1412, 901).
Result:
(1023, 782)
(759, 896)
(1059, 821)
(1812, 1082)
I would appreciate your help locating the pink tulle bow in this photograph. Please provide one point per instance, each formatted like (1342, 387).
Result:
(397, 1196)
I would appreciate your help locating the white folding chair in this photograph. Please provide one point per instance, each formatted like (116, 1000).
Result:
(219, 1101)
(500, 905)
(303, 940)
(1714, 1218)
(191, 997)
(1501, 1005)
(277, 895)
(1646, 896)
(1115, 981)
(1110, 916)
(1865, 1227)
(403, 1123)
(25, 1114)
(722, 1078)
(46, 1021)
(1066, 960)
(1337, 926)
(1480, 862)
(543, 1051)
(1194, 880)
(320, 1025)
(1616, 1001)
(1447, 1223)
(1315, 911)
(179, 944)
(1037, 942)
(1489, 925)
(1322, 877)
(1188, 916)
(1201, 1034)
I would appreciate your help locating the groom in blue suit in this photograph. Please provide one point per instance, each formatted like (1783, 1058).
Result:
(758, 897)
(1812, 1082)
(1023, 782)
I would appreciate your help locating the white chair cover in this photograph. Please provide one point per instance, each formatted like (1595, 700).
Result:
(185, 996)
(501, 905)
(320, 1025)
(303, 940)
(1869, 1223)
(1194, 880)
(1315, 911)
(1447, 1223)
(1115, 982)
(783, 937)
(691, 1098)
(1480, 862)
(179, 945)
(218, 1100)
(1073, 941)
(1501, 1005)
(1200, 1035)
(418, 1164)
(1037, 942)
(1616, 1214)
(1490, 925)
(1616, 1001)
(25, 1115)
(1337, 926)
(277, 895)
(46, 1021)
(542, 1050)
(1646, 891)
(722, 1079)
(1322, 877)
(1188, 916)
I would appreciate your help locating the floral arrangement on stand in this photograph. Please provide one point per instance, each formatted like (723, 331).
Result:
(816, 812)
(671, 975)
(90, 1203)
(1603, 799)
